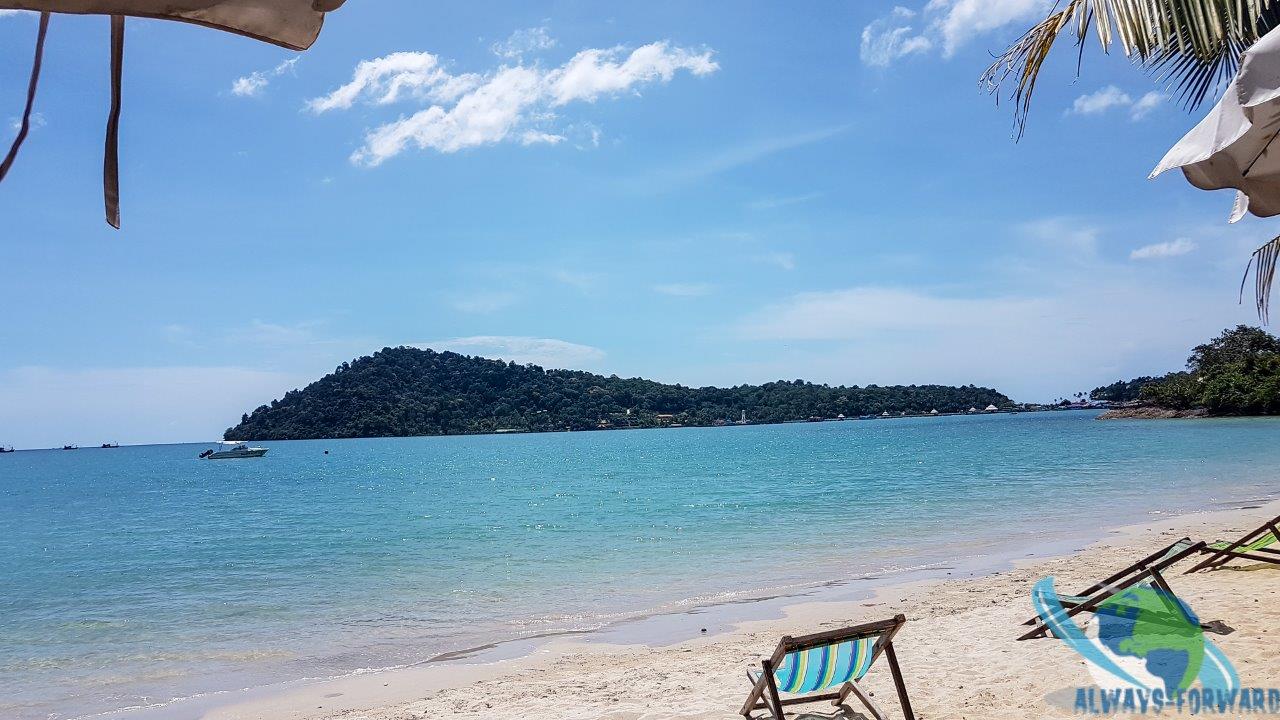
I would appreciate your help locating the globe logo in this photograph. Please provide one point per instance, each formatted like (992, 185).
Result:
(1142, 638)
(1158, 631)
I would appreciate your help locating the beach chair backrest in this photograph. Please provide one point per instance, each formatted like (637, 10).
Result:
(1267, 540)
(1175, 549)
(803, 666)
(818, 668)
(1256, 545)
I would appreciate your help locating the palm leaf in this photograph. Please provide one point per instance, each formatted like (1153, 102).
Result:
(1192, 45)
(1263, 264)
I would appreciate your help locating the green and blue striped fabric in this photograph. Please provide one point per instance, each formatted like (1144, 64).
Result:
(824, 667)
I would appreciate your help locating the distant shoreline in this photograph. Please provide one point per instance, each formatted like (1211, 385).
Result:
(1158, 413)
(1150, 413)
(677, 426)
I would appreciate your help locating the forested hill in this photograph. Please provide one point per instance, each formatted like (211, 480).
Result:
(407, 391)
(1236, 373)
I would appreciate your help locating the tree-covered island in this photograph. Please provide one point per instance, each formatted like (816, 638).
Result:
(406, 391)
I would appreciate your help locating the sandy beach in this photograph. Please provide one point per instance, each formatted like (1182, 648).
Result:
(958, 650)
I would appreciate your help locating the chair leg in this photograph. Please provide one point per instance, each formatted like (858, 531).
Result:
(853, 687)
(773, 700)
(901, 686)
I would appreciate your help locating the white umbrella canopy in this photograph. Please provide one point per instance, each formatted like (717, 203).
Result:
(1233, 146)
(294, 24)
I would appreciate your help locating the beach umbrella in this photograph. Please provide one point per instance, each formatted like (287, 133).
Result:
(294, 24)
(1233, 146)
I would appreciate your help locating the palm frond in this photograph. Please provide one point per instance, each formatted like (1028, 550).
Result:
(1024, 58)
(1193, 45)
(1263, 264)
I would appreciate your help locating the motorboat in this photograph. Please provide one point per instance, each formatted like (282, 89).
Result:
(70, 447)
(232, 450)
(110, 446)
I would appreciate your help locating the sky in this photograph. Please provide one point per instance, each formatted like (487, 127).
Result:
(707, 193)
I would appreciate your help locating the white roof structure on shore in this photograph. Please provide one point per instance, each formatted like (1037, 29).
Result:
(933, 412)
(1232, 147)
(992, 408)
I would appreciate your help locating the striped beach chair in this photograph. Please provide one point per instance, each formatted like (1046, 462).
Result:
(1256, 546)
(1147, 571)
(826, 666)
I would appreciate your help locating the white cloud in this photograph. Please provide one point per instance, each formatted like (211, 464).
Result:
(891, 37)
(522, 42)
(683, 289)
(48, 407)
(547, 352)
(14, 13)
(942, 24)
(1051, 315)
(594, 73)
(1055, 340)
(1109, 97)
(537, 137)
(863, 312)
(959, 21)
(254, 83)
(250, 85)
(1101, 101)
(387, 79)
(513, 102)
(1146, 104)
(37, 121)
(1155, 251)
(587, 133)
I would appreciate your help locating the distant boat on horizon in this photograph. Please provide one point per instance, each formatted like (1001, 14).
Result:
(109, 446)
(70, 447)
(9, 450)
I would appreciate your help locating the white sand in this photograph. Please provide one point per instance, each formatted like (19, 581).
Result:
(958, 651)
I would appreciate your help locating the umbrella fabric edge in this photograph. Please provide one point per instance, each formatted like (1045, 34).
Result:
(291, 38)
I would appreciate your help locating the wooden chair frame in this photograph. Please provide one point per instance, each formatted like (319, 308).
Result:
(1219, 558)
(1148, 567)
(764, 691)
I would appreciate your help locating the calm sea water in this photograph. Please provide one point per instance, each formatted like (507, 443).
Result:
(138, 575)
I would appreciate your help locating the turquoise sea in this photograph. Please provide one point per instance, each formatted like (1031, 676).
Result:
(133, 576)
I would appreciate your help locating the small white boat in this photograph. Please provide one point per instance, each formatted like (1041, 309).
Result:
(233, 450)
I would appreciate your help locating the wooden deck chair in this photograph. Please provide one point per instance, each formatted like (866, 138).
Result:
(1146, 571)
(804, 666)
(1257, 546)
